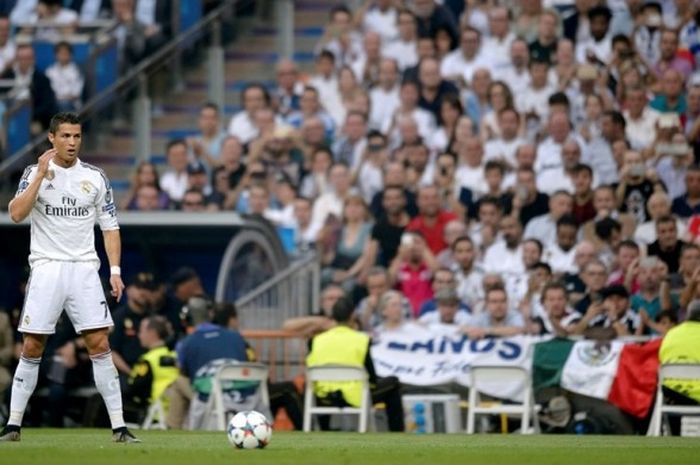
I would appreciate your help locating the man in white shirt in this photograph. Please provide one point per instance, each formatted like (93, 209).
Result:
(598, 48)
(331, 203)
(497, 320)
(468, 275)
(66, 79)
(505, 257)
(464, 60)
(504, 147)
(544, 227)
(534, 99)
(470, 173)
(562, 178)
(549, 151)
(380, 18)
(561, 255)
(516, 74)
(350, 147)
(242, 125)
(65, 198)
(310, 107)
(404, 48)
(384, 97)
(497, 44)
(640, 117)
(447, 312)
(174, 182)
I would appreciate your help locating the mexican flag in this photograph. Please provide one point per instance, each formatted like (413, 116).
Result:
(624, 374)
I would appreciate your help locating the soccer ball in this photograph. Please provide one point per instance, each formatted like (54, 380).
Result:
(249, 430)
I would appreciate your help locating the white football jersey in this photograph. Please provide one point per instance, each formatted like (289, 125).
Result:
(69, 203)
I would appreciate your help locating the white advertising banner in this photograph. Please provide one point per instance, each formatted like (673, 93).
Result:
(439, 354)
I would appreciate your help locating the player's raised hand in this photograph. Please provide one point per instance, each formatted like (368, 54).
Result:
(117, 286)
(44, 160)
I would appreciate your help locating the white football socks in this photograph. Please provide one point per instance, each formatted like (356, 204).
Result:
(23, 385)
(107, 383)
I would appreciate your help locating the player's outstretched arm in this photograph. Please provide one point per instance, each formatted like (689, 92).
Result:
(113, 248)
(21, 206)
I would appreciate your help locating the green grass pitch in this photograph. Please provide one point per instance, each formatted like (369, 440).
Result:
(93, 447)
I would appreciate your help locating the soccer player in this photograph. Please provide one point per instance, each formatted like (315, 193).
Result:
(64, 198)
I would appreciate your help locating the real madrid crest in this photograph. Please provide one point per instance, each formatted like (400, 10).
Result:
(85, 187)
(50, 174)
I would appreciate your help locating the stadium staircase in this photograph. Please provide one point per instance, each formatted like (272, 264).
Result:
(251, 57)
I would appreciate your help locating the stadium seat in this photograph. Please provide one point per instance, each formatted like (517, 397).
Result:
(482, 376)
(336, 373)
(675, 371)
(236, 372)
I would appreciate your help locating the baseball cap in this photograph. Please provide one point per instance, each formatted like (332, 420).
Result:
(616, 290)
(145, 280)
(446, 296)
(196, 167)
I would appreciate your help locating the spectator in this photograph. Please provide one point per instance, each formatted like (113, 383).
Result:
(412, 270)
(636, 186)
(671, 98)
(449, 310)
(461, 63)
(131, 34)
(253, 97)
(7, 45)
(533, 101)
(146, 174)
(443, 278)
(369, 312)
(561, 254)
(66, 79)
(310, 107)
(379, 16)
(431, 220)
(339, 39)
(516, 74)
(305, 232)
(544, 227)
(506, 139)
(575, 287)
(385, 95)
(497, 320)
(689, 204)
(404, 48)
(331, 202)
(197, 178)
(640, 118)
(605, 207)
(50, 19)
(278, 154)
(672, 163)
(193, 201)
(432, 17)
(389, 227)
(484, 231)
(470, 172)
(350, 147)
(659, 205)
(583, 208)
(654, 292)
(287, 93)
(564, 176)
(468, 274)
(544, 46)
(598, 48)
(599, 152)
(174, 181)
(29, 82)
(497, 45)
(432, 87)
(206, 146)
(347, 258)
(453, 230)
(369, 176)
(667, 246)
(366, 65)
(527, 202)
(505, 257)
(612, 313)
(231, 161)
(669, 57)
(626, 259)
(594, 276)
(342, 344)
(557, 318)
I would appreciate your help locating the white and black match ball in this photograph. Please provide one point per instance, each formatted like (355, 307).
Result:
(249, 430)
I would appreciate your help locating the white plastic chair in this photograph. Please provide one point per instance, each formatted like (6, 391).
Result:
(236, 372)
(676, 371)
(333, 372)
(482, 375)
(155, 418)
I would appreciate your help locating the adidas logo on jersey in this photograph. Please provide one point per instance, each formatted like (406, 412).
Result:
(50, 187)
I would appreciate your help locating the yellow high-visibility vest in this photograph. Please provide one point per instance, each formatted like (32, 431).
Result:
(344, 346)
(682, 345)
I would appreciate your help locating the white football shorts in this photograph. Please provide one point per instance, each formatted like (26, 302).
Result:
(55, 286)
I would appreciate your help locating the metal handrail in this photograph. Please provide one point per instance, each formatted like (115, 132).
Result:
(129, 80)
(277, 279)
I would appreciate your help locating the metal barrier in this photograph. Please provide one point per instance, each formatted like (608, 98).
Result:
(282, 351)
(291, 293)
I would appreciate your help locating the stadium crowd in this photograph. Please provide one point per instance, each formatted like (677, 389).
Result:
(509, 167)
